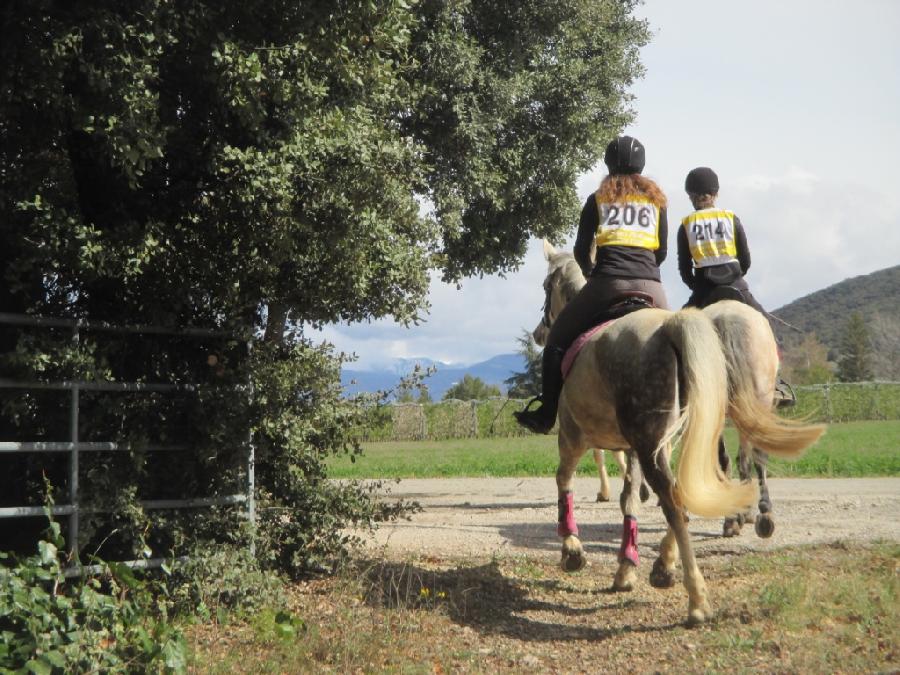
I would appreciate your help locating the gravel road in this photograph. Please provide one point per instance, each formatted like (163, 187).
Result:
(463, 517)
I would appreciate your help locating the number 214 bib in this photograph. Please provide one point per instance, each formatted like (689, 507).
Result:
(710, 234)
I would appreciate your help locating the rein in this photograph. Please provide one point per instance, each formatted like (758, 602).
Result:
(546, 321)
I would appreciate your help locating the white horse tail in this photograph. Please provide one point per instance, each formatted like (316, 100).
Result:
(750, 410)
(700, 485)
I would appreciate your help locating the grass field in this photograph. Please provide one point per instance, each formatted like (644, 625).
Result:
(851, 449)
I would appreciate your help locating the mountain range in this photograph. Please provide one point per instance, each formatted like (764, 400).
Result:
(493, 371)
(874, 296)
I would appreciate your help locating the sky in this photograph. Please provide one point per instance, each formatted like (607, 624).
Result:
(795, 105)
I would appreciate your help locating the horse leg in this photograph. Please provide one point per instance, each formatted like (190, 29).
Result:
(619, 456)
(572, 552)
(660, 478)
(600, 459)
(765, 523)
(732, 525)
(663, 573)
(628, 553)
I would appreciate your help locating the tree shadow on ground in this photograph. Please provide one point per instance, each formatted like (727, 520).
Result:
(485, 598)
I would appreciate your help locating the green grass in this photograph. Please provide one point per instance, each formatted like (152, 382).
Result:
(850, 449)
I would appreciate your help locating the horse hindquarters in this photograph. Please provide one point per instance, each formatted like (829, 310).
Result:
(703, 377)
(752, 357)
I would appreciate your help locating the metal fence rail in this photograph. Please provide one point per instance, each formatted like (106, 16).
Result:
(73, 446)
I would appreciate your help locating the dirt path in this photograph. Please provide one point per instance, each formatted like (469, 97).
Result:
(495, 516)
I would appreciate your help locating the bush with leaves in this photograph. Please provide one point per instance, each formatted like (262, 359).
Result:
(301, 418)
(106, 623)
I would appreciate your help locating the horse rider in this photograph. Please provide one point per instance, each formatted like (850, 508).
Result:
(620, 245)
(713, 255)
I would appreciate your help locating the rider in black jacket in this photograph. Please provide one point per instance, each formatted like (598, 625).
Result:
(620, 244)
(713, 255)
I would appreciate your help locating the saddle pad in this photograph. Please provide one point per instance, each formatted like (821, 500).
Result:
(581, 340)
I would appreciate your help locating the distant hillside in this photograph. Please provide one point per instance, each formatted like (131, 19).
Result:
(875, 296)
(825, 312)
(493, 371)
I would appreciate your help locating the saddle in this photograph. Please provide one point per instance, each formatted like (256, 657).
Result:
(626, 303)
(724, 293)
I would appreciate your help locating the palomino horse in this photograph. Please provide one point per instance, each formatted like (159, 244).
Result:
(645, 379)
(740, 343)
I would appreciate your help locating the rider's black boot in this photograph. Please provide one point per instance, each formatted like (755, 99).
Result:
(784, 394)
(541, 421)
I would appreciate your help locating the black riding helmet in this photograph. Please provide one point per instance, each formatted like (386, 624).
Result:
(624, 155)
(702, 181)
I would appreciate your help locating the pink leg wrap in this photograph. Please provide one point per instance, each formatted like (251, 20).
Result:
(629, 550)
(566, 524)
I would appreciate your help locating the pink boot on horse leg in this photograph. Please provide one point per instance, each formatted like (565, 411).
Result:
(572, 558)
(626, 575)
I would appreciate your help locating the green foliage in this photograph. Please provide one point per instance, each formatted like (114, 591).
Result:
(528, 383)
(856, 351)
(212, 583)
(108, 623)
(806, 362)
(471, 389)
(255, 166)
(302, 420)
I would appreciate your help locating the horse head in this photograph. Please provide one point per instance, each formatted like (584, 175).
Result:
(563, 281)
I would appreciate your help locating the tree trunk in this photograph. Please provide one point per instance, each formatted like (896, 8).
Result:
(276, 322)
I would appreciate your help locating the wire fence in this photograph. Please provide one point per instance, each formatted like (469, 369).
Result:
(835, 402)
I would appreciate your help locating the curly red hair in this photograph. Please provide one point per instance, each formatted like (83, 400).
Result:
(616, 188)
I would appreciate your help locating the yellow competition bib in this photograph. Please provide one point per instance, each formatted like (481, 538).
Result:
(632, 222)
(710, 234)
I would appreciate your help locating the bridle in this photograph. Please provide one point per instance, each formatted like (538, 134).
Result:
(546, 320)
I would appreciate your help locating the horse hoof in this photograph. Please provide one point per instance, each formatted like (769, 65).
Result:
(625, 577)
(660, 577)
(572, 562)
(698, 616)
(731, 527)
(602, 497)
(622, 586)
(765, 525)
(645, 492)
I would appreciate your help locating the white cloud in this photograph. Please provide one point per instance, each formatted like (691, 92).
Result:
(807, 232)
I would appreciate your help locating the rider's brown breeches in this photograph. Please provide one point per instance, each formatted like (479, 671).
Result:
(591, 303)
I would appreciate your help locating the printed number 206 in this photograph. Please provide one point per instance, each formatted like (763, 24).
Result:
(629, 214)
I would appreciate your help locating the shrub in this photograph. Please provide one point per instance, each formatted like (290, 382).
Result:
(107, 623)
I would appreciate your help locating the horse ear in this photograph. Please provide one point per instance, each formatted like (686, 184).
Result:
(548, 249)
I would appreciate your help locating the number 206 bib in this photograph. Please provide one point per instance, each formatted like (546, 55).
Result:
(632, 222)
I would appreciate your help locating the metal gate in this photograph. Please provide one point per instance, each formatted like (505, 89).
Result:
(73, 446)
